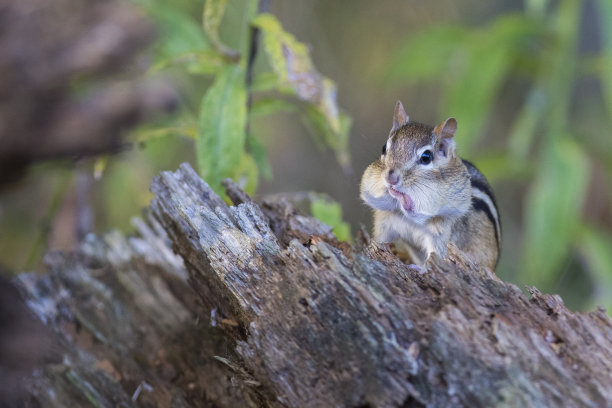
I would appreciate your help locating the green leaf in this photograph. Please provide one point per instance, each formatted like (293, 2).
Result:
(246, 174)
(222, 124)
(330, 213)
(211, 19)
(274, 39)
(144, 135)
(258, 152)
(553, 208)
(204, 62)
(179, 33)
(323, 135)
(595, 248)
(265, 82)
(328, 105)
(268, 106)
(290, 61)
(182, 42)
(99, 167)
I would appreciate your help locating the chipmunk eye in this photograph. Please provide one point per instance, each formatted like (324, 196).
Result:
(426, 157)
(384, 150)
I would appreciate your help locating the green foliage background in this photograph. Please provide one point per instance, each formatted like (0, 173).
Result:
(529, 82)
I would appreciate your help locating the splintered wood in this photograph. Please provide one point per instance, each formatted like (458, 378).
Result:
(285, 315)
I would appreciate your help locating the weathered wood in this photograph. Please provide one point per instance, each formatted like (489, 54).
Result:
(299, 319)
(320, 328)
(127, 330)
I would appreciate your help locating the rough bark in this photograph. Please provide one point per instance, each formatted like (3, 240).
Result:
(299, 319)
(128, 329)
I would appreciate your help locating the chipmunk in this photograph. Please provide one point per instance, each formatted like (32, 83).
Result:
(424, 195)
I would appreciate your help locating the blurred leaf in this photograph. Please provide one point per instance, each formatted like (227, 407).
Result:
(290, 61)
(426, 55)
(212, 16)
(144, 135)
(559, 67)
(258, 151)
(475, 82)
(246, 174)
(330, 213)
(328, 104)
(161, 153)
(124, 190)
(273, 41)
(596, 250)
(179, 33)
(204, 62)
(268, 106)
(605, 25)
(323, 135)
(99, 166)
(549, 100)
(265, 82)
(498, 166)
(524, 128)
(553, 210)
(340, 144)
(221, 132)
(536, 7)
(316, 125)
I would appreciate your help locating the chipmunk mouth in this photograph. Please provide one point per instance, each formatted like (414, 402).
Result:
(404, 199)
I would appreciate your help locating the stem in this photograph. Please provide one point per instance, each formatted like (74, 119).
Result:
(264, 6)
(83, 213)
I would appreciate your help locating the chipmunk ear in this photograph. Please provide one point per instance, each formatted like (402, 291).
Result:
(445, 133)
(400, 118)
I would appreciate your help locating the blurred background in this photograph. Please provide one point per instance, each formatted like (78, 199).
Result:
(530, 84)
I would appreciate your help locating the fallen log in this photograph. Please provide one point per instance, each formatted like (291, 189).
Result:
(285, 315)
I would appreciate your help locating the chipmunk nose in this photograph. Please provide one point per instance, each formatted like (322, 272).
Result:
(393, 177)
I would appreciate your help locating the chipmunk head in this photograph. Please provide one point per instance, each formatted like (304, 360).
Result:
(421, 170)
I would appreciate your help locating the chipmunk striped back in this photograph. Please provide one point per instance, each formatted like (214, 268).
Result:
(483, 199)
